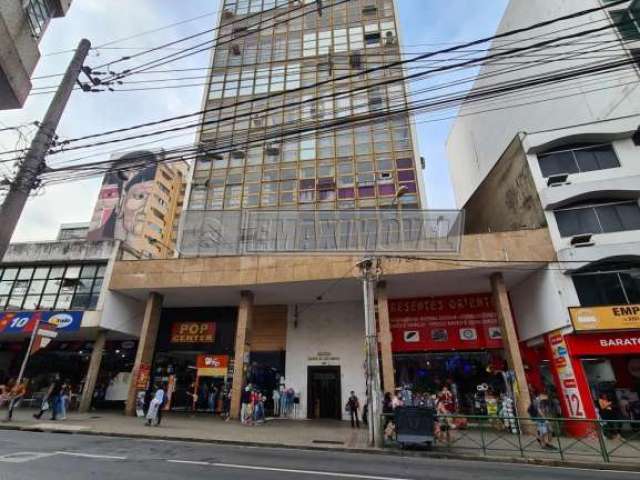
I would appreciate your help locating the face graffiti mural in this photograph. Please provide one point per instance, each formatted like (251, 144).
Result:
(120, 210)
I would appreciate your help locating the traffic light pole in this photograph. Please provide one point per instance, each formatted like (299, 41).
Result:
(34, 162)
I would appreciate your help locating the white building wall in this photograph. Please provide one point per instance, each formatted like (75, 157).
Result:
(336, 328)
(540, 303)
(476, 141)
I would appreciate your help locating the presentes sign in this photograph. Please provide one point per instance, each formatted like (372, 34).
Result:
(458, 322)
(612, 317)
(193, 332)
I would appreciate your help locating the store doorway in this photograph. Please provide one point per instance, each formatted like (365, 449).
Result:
(324, 399)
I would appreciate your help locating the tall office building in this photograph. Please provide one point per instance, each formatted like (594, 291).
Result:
(276, 70)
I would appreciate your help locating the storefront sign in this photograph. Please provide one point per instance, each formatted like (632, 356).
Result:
(568, 383)
(212, 365)
(24, 322)
(215, 232)
(623, 343)
(193, 332)
(612, 317)
(458, 322)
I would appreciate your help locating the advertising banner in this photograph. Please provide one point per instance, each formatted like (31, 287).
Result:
(24, 322)
(457, 322)
(193, 332)
(212, 365)
(612, 317)
(569, 390)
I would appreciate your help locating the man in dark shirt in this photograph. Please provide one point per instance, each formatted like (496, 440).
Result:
(52, 398)
(353, 404)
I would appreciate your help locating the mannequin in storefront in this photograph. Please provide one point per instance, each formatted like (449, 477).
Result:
(276, 402)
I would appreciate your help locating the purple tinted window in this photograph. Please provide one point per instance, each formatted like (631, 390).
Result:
(346, 193)
(411, 187)
(387, 189)
(365, 192)
(404, 163)
(406, 176)
(327, 195)
(307, 184)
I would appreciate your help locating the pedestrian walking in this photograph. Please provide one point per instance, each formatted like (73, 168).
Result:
(539, 411)
(245, 410)
(51, 399)
(65, 397)
(353, 404)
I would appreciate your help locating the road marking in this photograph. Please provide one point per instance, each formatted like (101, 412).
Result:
(91, 455)
(21, 457)
(189, 462)
(304, 472)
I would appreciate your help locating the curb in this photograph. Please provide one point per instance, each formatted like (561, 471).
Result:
(366, 451)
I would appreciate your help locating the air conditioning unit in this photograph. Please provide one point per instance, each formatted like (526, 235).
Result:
(227, 14)
(237, 154)
(272, 149)
(384, 177)
(217, 156)
(582, 240)
(557, 180)
(235, 49)
(389, 39)
(369, 10)
(257, 122)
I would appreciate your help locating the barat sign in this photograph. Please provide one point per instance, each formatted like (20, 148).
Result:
(193, 332)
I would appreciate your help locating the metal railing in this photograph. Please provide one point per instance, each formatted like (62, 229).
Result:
(600, 441)
(38, 14)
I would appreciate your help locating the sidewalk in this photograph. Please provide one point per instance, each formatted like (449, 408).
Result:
(202, 427)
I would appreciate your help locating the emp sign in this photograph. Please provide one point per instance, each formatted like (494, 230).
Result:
(211, 233)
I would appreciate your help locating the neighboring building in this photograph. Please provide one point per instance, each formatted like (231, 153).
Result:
(22, 24)
(140, 202)
(66, 283)
(572, 164)
(361, 166)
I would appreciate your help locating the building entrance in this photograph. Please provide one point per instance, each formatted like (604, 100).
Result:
(324, 393)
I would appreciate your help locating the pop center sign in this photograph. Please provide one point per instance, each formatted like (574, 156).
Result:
(193, 332)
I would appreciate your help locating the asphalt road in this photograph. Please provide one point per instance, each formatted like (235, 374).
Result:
(35, 456)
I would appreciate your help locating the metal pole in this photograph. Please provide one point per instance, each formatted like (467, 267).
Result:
(33, 164)
(23, 367)
(373, 369)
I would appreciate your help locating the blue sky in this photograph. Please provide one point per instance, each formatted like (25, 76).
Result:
(426, 25)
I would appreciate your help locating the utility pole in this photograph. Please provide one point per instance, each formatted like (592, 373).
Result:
(34, 162)
(374, 394)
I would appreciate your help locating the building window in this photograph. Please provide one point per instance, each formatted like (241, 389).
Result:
(578, 159)
(598, 218)
(49, 287)
(626, 25)
(38, 13)
(613, 287)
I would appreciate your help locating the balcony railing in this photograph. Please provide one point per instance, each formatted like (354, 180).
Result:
(38, 14)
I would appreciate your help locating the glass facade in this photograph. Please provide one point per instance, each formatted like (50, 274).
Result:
(51, 287)
(276, 71)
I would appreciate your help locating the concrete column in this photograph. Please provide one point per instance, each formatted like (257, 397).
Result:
(384, 338)
(243, 327)
(511, 344)
(92, 372)
(146, 345)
